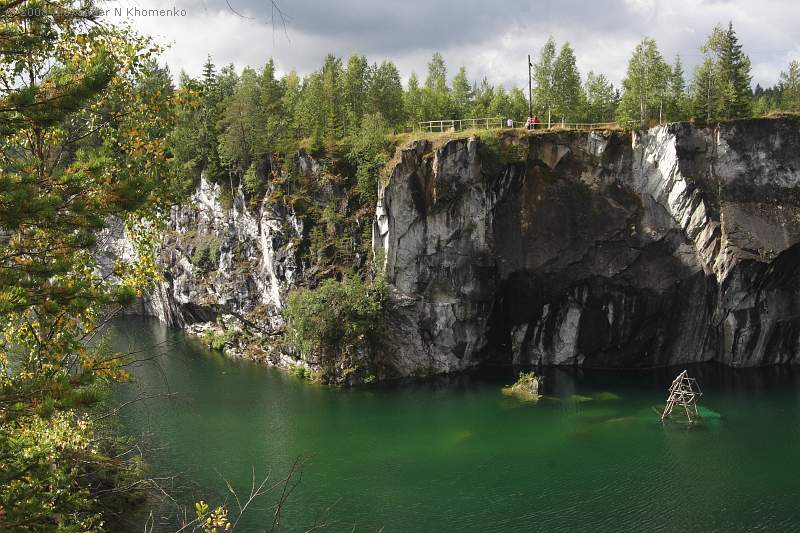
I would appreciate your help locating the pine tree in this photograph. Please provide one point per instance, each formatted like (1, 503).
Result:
(736, 66)
(292, 86)
(704, 91)
(209, 72)
(331, 104)
(678, 108)
(721, 86)
(271, 136)
(82, 133)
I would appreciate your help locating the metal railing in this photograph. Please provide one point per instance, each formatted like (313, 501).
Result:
(501, 123)
(463, 124)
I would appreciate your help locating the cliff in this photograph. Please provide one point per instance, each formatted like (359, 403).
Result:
(673, 245)
(662, 247)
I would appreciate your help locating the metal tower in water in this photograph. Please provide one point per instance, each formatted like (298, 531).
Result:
(685, 392)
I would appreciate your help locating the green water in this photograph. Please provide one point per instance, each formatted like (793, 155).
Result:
(456, 455)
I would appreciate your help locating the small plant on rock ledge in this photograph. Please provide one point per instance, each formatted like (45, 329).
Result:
(526, 387)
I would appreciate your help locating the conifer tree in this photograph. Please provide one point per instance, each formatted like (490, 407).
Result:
(736, 67)
(678, 108)
(240, 124)
(332, 99)
(705, 97)
(82, 135)
(721, 85)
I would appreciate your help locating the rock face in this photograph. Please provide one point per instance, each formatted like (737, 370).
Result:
(667, 246)
(235, 261)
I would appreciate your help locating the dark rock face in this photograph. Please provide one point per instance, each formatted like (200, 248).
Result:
(661, 247)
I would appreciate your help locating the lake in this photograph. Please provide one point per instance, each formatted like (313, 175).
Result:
(454, 454)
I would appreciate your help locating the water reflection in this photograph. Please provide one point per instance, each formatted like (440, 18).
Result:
(453, 453)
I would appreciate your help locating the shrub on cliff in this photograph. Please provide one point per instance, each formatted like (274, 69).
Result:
(335, 315)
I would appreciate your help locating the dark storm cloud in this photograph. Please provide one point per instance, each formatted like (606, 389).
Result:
(394, 25)
(490, 38)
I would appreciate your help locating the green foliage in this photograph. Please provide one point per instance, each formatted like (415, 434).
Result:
(721, 85)
(217, 340)
(212, 520)
(385, 94)
(412, 102)
(436, 100)
(543, 84)
(526, 387)
(645, 85)
(206, 255)
(335, 315)
(678, 104)
(253, 185)
(497, 153)
(567, 93)
(84, 114)
(600, 99)
(462, 94)
(369, 154)
(790, 87)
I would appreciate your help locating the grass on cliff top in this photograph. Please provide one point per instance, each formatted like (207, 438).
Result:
(438, 139)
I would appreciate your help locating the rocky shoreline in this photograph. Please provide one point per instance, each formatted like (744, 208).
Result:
(667, 246)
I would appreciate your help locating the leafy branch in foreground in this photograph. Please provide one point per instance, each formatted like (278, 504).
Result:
(83, 117)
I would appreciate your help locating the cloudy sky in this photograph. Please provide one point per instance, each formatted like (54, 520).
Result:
(490, 37)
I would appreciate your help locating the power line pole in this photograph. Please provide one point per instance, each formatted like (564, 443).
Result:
(530, 90)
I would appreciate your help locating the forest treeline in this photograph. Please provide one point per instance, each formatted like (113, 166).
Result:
(236, 118)
(93, 130)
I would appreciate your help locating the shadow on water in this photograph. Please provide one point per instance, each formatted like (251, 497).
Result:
(452, 453)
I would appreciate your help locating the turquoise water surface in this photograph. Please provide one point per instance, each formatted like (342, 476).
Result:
(454, 454)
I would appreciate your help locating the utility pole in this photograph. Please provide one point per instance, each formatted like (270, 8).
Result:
(530, 90)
